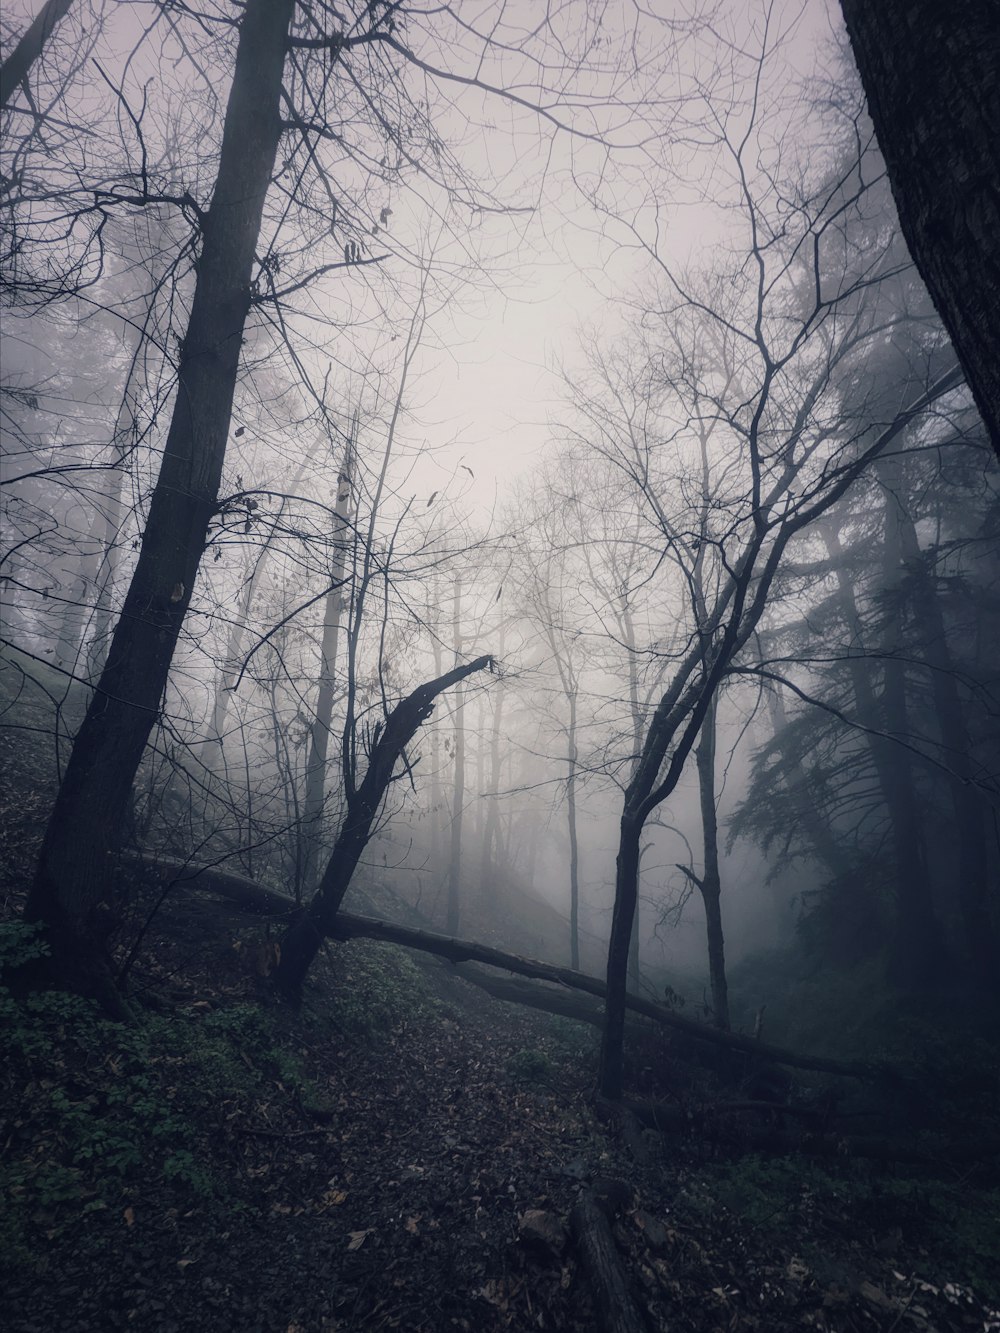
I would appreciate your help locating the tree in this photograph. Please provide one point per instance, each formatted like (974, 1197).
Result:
(890, 761)
(931, 72)
(341, 73)
(763, 348)
(304, 936)
(16, 68)
(88, 814)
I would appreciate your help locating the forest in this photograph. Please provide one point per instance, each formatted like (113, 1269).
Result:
(499, 673)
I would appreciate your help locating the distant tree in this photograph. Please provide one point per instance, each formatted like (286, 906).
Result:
(931, 72)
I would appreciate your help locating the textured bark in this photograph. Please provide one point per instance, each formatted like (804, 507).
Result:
(90, 807)
(599, 1257)
(304, 936)
(931, 72)
(710, 883)
(17, 66)
(612, 1075)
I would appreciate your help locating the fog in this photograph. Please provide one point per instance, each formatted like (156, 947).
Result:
(648, 405)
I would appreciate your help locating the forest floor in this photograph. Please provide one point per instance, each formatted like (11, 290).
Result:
(403, 1153)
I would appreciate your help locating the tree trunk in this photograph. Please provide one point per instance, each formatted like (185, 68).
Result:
(600, 1260)
(931, 72)
(626, 892)
(86, 821)
(304, 936)
(259, 900)
(315, 795)
(574, 844)
(710, 883)
(458, 792)
(17, 66)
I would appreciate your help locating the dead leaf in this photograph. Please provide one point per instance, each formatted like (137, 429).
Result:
(358, 1238)
(876, 1296)
(184, 1263)
(129, 1216)
(411, 1224)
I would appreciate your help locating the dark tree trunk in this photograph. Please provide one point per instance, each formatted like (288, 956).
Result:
(931, 72)
(626, 893)
(458, 791)
(574, 842)
(17, 66)
(710, 883)
(90, 808)
(600, 1259)
(307, 932)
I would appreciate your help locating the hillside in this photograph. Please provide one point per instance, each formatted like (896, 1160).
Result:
(405, 1153)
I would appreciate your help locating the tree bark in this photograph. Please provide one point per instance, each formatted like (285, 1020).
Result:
(602, 1263)
(90, 807)
(612, 1075)
(16, 68)
(931, 72)
(710, 883)
(304, 936)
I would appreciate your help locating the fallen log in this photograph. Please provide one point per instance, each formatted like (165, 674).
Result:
(258, 899)
(600, 1260)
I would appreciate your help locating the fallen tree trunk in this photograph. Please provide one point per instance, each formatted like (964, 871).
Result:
(257, 899)
(602, 1263)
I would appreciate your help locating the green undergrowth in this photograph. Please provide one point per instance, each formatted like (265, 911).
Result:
(926, 1225)
(370, 990)
(98, 1115)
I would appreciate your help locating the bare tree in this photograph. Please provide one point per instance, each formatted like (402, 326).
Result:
(764, 349)
(298, 77)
